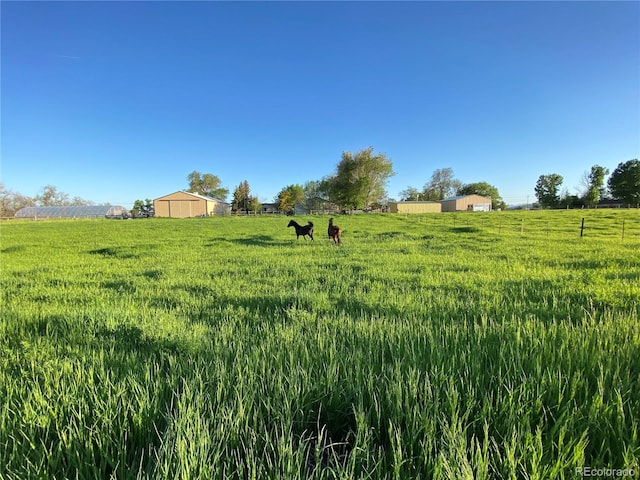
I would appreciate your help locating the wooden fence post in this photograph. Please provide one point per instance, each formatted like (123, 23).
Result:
(582, 228)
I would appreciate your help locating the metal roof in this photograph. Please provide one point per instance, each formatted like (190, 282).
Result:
(458, 197)
(72, 211)
(415, 201)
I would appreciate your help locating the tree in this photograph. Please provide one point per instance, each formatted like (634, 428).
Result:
(316, 196)
(442, 185)
(207, 184)
(50, 196)
(289, 197)
(11, 202)
(547, 190)
(254, 204)
(486, 190)
(143, 209)
(568, 200)
(359, 180)
(410, 194)
(624, 182)
(241, 197)
(595, 189)
(78, 202)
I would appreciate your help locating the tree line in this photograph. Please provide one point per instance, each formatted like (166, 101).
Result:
(49, 196)
(623, 186)
(359, 183)
(443, 184)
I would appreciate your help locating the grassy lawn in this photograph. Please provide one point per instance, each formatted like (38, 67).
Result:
(447, 346)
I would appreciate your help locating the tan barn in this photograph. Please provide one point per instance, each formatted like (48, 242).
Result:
(414, 207)
(187, 204)
(474, 203)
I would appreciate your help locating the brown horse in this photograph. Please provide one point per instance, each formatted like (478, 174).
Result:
(334, 231)
(300, 230)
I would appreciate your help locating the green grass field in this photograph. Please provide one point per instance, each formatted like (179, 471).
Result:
(445, 346)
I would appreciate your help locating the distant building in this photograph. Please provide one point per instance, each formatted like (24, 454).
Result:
(73, 211)
(414, 207)
(188, 204)
(463, 203)
(300, 209)
(269, 208)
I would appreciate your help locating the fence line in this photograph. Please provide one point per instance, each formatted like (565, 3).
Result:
(577, 227)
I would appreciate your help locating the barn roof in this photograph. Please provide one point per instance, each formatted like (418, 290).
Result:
(458, 197)
(415, 201)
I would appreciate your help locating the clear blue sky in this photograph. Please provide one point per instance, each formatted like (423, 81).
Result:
(115, 101)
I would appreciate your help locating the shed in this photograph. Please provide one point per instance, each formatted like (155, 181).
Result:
(269, 208)
(73, 211)
(463, 203)
(414, 207)
(188, 204)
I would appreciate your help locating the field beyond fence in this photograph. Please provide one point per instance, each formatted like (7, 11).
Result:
(550, 224)
(436, 346)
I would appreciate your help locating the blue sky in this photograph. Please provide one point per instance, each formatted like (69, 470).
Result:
(115, 101)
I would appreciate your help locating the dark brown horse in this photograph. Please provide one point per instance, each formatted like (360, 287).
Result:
(334, 231)
(302, 230)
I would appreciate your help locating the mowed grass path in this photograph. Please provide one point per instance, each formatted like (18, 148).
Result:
(443, 346)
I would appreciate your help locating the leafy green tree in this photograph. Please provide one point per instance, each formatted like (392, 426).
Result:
(595, 189)
(442, 185)
(289, 197)
(360, 179)
(254, 204)
(547, 190)
(486, 190)
(143, 209)
(241, 197)
(624, 182)
(207, 184)
(568, 200)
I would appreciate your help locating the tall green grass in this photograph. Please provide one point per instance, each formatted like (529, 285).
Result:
(447, 346)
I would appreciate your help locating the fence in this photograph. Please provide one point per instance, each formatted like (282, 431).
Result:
(620, 224)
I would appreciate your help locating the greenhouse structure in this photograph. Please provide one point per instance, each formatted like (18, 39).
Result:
(75, 211)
